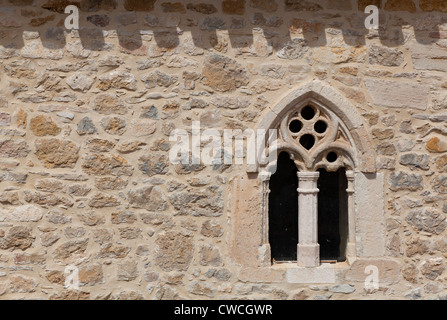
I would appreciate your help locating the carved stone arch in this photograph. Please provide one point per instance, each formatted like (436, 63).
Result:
(343, 118)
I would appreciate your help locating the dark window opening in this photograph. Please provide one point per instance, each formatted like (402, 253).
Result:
(295, 126)
(332, 215)
(307, 141)
(308, 113)
(283, 210)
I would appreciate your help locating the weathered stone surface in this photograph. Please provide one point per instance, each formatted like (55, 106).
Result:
(395, 94)
(44, 126)
(428, 57)
(400, 5)
(34, 49)
(79, 190)
(233, 7)
(91, 218)
(56, 277)
(164, 221)
(294, 49)
(123, 217)
(209, 256)
(416, 161)
(439, 184)
(208, 202)
(99, 20)
(158, 78)
(58, 217)
(211, 229)
(385, 56)
(130, 147)
(149, 198)
(139, 5)
(106, 165)
(99, 145)
(174, 251)
(113, 251)
(436, 145)
(26, 213)
(127, 271)
(91, 275)
(223, 74)
(155, 164)
(130, 233)
(433, 268)
(102, 200)
(416, 246)
(201, 289)
(114, 125)
(80, 82)
(213, 23)
(111, 183)
(55, 153)
(299, 5)
(118, 80)
(18, 237)
(266, 5)
(204, 8)
(143, 128)
(13, 149)
(45, 199)
(433, 5)
(405, 181)
(48, 239)
(72, 233)
(427, 219)
(71, 250)
(22, 284)
(109, 104)
(86, 126)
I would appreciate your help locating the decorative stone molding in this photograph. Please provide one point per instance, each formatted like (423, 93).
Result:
(344, 134)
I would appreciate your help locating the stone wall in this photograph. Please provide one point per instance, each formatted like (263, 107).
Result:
(85, 120)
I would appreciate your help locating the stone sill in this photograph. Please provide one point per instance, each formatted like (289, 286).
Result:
(324, 274)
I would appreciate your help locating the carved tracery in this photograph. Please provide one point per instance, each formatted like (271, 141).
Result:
(316, 138)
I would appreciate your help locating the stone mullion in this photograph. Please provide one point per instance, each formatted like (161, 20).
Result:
(308, 247)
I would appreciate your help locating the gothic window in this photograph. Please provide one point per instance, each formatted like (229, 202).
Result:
(310, 190)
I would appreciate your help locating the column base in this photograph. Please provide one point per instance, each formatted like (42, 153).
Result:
(264, 255)
(351, 253)
(350, 250)
(308, 255)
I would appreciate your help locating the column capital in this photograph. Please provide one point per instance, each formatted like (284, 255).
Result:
(308, 176)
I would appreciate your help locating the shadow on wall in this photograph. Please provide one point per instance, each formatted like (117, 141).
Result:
(276, 20)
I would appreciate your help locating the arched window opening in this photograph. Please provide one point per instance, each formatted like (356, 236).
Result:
(332, 215)
(283, 210)
(310, 204)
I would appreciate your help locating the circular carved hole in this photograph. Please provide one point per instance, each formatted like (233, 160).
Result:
(307, 141)
(308, 113)
(332, 157)
(295, 126)
(320, 127)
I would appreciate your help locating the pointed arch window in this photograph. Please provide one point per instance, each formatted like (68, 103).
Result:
(315, 209)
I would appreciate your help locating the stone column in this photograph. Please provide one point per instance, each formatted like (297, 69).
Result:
(308, 247)
(351, 250)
